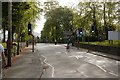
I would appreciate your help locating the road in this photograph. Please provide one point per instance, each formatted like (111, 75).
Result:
(75, 63)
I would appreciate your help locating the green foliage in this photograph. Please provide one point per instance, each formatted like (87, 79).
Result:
(104, 16)
(22, 13)
(58, 20)
(4, 45)
(93, 13)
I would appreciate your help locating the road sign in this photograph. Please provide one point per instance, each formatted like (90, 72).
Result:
(113, 35)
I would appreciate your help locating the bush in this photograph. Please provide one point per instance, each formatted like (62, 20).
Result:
(90, 38)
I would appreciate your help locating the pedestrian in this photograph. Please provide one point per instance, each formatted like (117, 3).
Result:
(55, 42)
(26, 43)
(4, 62)
(68, 42)
(1, 48)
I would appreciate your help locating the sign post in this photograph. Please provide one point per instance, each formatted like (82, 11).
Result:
(30, 33)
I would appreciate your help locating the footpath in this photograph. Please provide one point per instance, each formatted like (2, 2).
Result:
(25, 66)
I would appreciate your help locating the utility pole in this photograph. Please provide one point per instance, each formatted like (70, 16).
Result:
(9, 43)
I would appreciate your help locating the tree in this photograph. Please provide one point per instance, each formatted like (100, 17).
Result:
(4, 18)
(90, 13)
(58, 20)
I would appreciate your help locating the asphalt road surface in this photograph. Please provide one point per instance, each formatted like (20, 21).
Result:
(58, 62)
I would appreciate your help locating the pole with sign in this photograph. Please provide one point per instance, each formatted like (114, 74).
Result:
(30, 33)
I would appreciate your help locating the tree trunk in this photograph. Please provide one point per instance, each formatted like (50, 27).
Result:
(12, 33)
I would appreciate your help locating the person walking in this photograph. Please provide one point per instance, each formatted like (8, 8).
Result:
(68, 43)
(4, 62)
(55, 42)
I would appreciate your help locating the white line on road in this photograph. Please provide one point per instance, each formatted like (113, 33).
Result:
(101, 68)
(39, 58)
(82, 73)
(41, 63)
(65, 52)
(49, 65)
(113, 74)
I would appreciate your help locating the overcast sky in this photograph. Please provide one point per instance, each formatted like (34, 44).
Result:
(40, 23)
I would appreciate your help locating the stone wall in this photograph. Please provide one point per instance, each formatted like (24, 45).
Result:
(99, 48)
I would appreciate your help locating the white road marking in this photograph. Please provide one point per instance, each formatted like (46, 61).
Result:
(59, 52)
(49, 65)
(113, 74)
(76, 56)
(65, 52)
(39, 58)
(81, 73)
(101, 68)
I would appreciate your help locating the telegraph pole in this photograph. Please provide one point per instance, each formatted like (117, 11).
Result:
(9, 42)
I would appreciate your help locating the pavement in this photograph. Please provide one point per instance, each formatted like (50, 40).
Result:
(25, 65)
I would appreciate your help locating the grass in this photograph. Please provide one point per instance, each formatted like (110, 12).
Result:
(116, 43)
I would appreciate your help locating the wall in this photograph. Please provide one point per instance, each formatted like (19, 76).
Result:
(99, 48)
